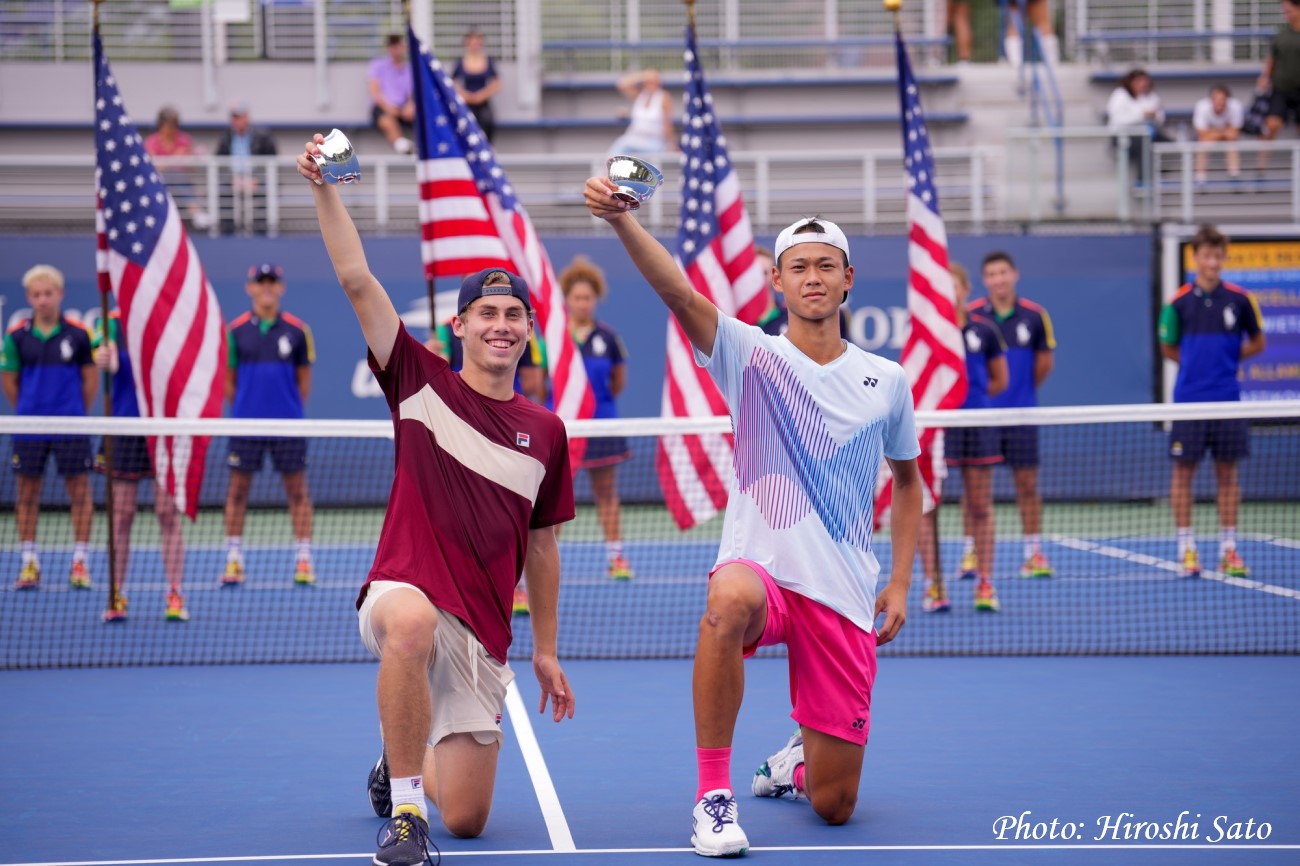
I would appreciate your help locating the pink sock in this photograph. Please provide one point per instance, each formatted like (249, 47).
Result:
(798, 777)
(715, 770)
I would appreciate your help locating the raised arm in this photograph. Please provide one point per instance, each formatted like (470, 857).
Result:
(374, 309)
(694, 312)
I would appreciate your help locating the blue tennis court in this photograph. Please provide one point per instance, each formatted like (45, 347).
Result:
(267, 764)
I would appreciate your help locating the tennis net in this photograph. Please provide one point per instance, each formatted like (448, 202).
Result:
(1116, 585)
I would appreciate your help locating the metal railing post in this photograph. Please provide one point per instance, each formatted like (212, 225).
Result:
(870, 206)
(1122, 142)
(1185, 165)
(272, 198)
(381, 194)
(320, 37)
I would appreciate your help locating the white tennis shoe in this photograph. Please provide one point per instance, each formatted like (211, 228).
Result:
(776, 777)
(715, 826)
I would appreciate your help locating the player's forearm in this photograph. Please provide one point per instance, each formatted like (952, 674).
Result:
(10, 385)
(342, 241)
(542, 577)
(904, 530)
(1253, 346)
(89, 385)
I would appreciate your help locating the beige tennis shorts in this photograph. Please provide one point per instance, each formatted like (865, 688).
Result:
(467, 685)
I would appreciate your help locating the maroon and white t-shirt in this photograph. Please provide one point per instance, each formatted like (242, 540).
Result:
(472, 476)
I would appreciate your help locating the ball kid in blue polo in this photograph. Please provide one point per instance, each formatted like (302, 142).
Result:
(270, 358)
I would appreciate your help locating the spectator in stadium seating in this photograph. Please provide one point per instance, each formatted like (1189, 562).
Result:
(131, 463)
(795, 564)
(477, 82)
(1208, 329)
(467, 514)
(959, 23)
(1281, 75)
(268, 376)
(1135, 108)
(245, 205)
(1218, 117)
(976, 451)
(46, 368)
(1039, 16)
(775, 321)
(605, 358)
(170, 140)
(1027, 332)
(650, 127)
(392, 102)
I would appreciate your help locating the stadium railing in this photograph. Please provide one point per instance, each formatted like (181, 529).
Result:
(1118, 585)
(857, 188)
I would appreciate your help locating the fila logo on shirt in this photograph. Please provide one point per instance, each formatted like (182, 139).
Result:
(65, 349)
(286, 347)
(522, 439)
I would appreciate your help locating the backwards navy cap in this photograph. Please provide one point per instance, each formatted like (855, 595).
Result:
(473, 288)
(262, 271)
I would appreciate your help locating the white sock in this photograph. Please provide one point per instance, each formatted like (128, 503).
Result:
(1032, 546)
(79, 551)
(1227, 540)
(1186, 540)
(29, 552)
(304, 549)
(614, 549)
(967, 545)
(234, 549)
(408, 790)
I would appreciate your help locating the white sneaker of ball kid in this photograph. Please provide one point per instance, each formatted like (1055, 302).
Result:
(715, 826)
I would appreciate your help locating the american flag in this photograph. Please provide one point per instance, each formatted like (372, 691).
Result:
(715, 249)
(934, 356)
(171, 322)
(470, 219)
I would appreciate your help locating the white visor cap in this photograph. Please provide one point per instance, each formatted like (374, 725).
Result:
(830, 234)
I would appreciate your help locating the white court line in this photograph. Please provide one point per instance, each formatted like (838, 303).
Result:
(1272, 539)
(1005, 846)
(1156, 562)
(556, 825)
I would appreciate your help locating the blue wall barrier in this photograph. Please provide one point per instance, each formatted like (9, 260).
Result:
(1097, 290)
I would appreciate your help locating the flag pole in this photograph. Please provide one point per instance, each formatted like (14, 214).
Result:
(104, 322)
(936, 549)
(429, 282)
(895, 6)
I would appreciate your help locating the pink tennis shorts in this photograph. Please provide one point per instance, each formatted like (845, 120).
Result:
(832, 661)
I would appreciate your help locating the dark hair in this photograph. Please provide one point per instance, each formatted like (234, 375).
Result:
(583, 270)
(393, 38)
(1209, 236)
(1221, 88)
(1133, 75)
(167, 114)
(997, 256)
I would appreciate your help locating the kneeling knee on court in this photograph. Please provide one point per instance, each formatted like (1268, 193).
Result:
(834, 806)
(464, 822)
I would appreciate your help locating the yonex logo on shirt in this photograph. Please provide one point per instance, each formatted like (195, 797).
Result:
(870, 381)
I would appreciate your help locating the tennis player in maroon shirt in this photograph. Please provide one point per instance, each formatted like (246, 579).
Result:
(481, 480)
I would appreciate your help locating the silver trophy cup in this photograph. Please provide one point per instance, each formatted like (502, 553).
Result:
(337, 159)
(637, 179)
